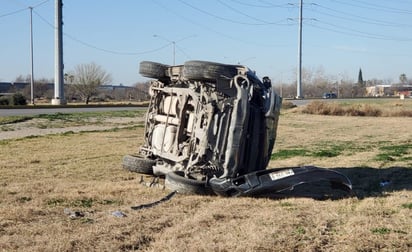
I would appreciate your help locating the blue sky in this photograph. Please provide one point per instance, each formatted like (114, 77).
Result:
(339, 36)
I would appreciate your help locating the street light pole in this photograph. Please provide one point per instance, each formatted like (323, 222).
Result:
(58, 56)
(174, 53)
(31, 58)
(173, 42)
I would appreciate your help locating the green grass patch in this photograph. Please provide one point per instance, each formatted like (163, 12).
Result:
(394, 152)
(85, 203)
(286, 204)
(111, 202)
(74, 117)
(14, 119)
(327, 151)
(300, 230)
(284, 154)
(56, 202)
(381, 231)
(80, 116)
(407, 205)
(24, 199)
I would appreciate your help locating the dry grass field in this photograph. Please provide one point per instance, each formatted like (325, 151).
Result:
(60, 192)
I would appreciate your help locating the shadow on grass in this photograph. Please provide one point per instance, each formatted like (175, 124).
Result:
(372, 182)
(366, 182)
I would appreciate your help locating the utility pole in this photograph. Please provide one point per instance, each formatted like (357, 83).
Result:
(174, 52)
(299, 73)
(173, 44)
(31, 58)
(58, 56)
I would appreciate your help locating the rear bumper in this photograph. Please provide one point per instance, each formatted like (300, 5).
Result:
(276, 180)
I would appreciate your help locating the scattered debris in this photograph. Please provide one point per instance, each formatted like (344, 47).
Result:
(119, 214)
(73, 214)
(384, 183)
(155, 182)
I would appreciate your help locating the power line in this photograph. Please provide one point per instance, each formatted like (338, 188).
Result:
(39, 4)
(356, 33)
(244, 14)
(221, 34)
(99, 48)
(23, 9)
(228, 19)
(13, 12)
(356, 18)
(264, 5)
(370, 6)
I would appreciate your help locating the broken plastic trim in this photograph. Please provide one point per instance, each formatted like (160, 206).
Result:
(149, 205)
(276, 180)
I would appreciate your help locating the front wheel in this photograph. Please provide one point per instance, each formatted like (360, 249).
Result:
(176, 181)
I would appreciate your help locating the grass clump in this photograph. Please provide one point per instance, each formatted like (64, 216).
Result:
(407, 205)
(393, 152)
(288, 105)
(327, 151)
(381, 231)
(284, 154)
(14, 119)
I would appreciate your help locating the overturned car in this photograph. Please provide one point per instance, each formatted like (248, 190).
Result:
(211, 128)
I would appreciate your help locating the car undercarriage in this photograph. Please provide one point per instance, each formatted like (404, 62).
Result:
(211, 128)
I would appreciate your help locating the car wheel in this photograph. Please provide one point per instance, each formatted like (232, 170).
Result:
(208, 71)
(176, 181)
(139, 164)
(153, 70)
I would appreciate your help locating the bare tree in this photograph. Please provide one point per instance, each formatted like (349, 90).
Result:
(87, 78)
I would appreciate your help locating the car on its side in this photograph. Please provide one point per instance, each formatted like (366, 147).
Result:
(211, 128)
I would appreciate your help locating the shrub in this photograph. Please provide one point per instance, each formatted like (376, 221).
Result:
(18, 99)
(323, 108)
(4, 100)
(288, 105)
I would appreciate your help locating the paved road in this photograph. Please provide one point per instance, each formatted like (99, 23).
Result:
(303, 102)
(38, 111)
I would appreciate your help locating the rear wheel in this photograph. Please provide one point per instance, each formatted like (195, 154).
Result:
(176, 181)
(208, 71)
(139, 164)
(153, 70)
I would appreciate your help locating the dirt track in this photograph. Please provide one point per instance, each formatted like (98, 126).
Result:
(39, 127)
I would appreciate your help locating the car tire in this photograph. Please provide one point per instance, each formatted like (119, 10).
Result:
(176, 181)
(208, 71)
(153, 70)
(139, 164)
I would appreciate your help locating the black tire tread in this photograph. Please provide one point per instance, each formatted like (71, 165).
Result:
(139, 164)
(153, 69)
(175, 181)
(209, 71)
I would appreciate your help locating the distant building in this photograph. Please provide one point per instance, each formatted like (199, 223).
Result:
(379, 90)
(389, 90)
